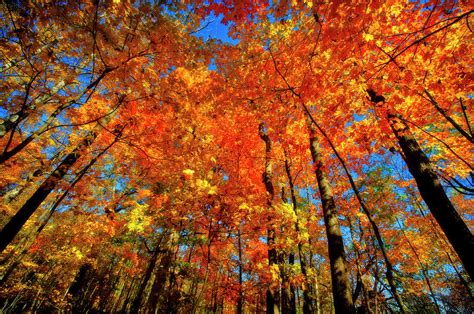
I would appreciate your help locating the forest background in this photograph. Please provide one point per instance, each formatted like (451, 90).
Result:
(236, 156)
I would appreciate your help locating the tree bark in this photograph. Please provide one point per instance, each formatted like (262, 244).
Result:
(11, 229)
(389, 267)
(433, 193)
(159, 283)
(340, 280)
(149, 271)
(307, 300)
(272, 293)
(79, 285)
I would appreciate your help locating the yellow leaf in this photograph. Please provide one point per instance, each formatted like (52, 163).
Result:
(188, 172)
(368, 37)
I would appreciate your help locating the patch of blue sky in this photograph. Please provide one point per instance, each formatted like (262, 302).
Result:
(212, 28)
(3, 113)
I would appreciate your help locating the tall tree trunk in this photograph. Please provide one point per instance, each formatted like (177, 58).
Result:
(360, 282)
(79, 285)
(307, 300)
(314, 285)
(161, 277)
(287, 290)
(284, 260)
(339, 276)
(130, 291)
(291, 262)
(433, 193)
(149, 271)
(32, 238)
(11, 229)
(173, 296)
(272, 293)
(389, 267)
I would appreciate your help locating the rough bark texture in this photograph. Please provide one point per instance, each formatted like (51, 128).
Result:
(341, 288)
(433, 193)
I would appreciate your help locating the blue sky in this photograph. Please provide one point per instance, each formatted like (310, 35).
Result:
(213, 28)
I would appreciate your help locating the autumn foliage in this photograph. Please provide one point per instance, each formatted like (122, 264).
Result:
(320, 161)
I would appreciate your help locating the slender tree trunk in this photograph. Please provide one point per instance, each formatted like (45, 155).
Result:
(291, 262)
(52, 210)
(11, 229)
(161, 277)
(108, 293)
(433, 193)
(272, 293)
(284, 260)
(125, 303)
(378, 236)
(314, 285)
(287, 295)
(340, 279)
(113, 307)
(78, 286)
(376, 281)
(173, 296)
(307, 300)
(360, 282)
(149, 271)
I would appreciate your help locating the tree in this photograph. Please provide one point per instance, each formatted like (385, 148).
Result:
(148, 164)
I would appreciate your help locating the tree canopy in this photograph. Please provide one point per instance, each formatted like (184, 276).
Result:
(320, 161)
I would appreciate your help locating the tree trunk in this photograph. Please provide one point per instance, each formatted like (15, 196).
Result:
(291, 261)
(365, 308)
(433, 193)
(340, 280)
(284, 260)
(52, 210)
(307, 300)
(378, 236)
(287, 291)
(11, 229)
(149, 271)
(79, 285)
(161, 277)
(272, 293)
